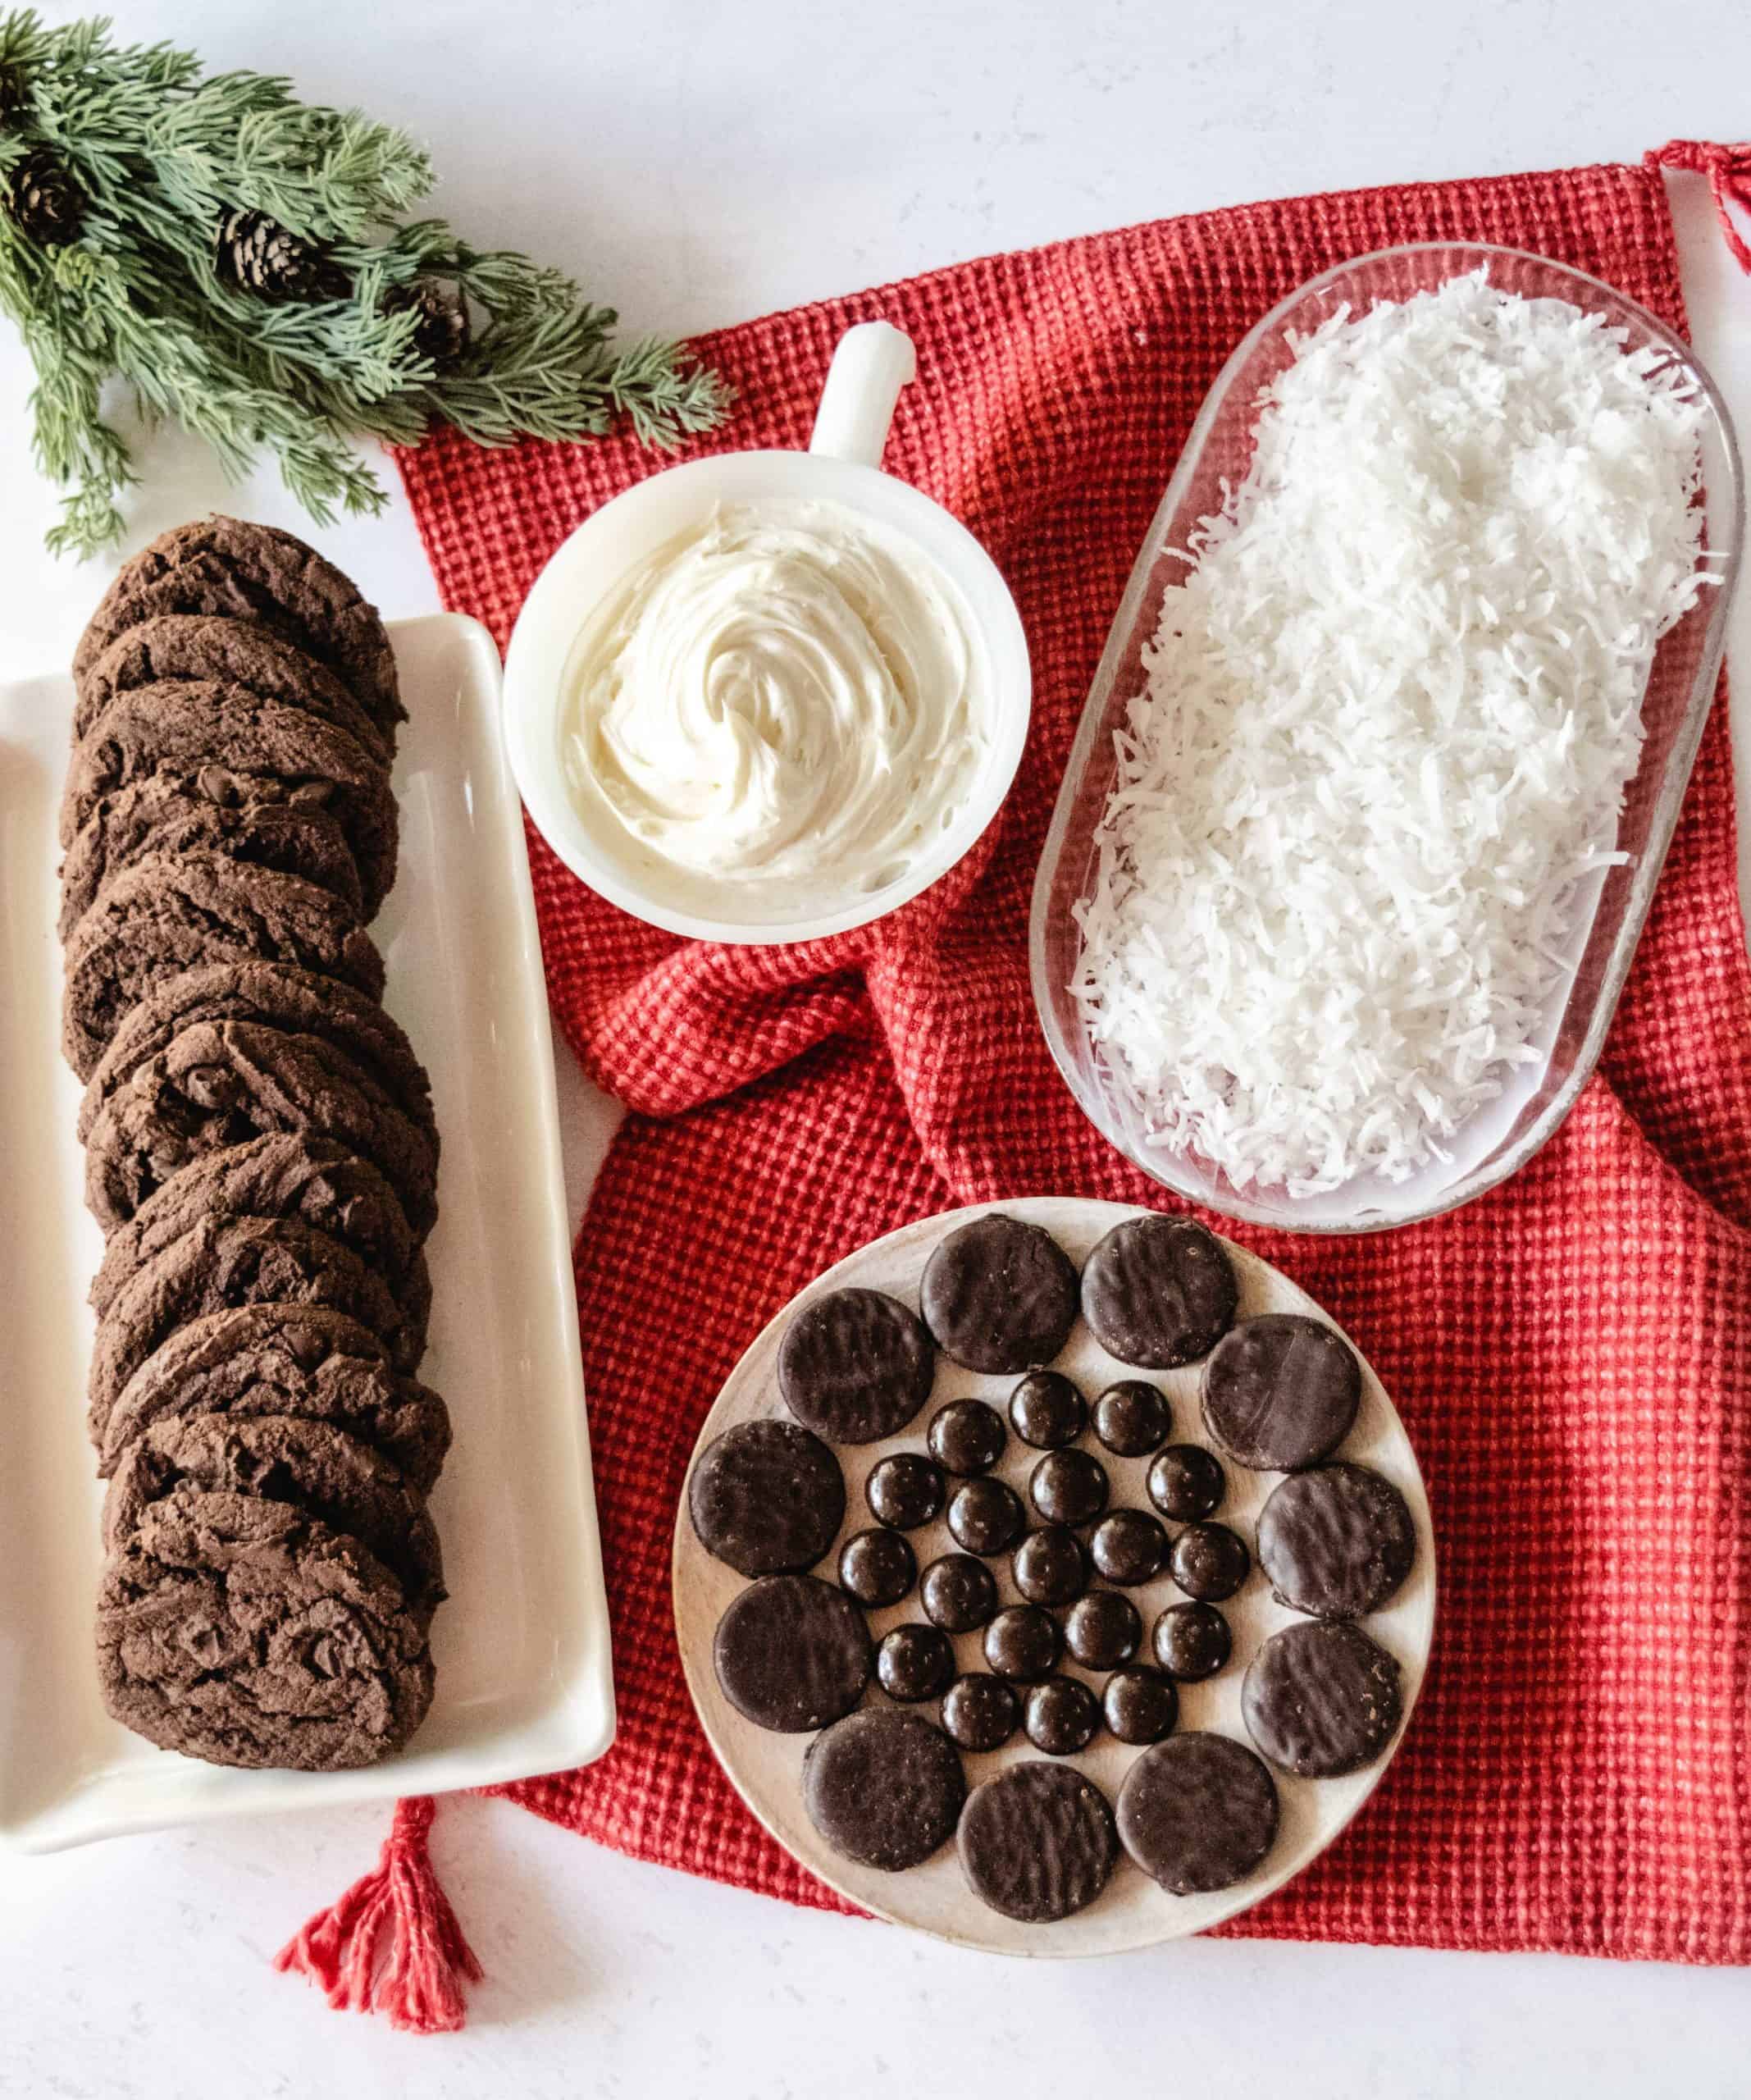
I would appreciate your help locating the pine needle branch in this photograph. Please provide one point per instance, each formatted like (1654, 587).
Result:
(244, 262)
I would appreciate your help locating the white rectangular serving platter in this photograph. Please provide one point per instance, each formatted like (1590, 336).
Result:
(524, 1684)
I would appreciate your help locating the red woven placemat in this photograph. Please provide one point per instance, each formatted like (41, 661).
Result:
(1570, 1353)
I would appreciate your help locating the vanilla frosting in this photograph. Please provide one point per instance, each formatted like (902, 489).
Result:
(785, 698)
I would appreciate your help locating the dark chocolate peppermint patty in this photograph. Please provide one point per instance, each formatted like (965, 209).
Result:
(1037, 1843)
(1198, 1812)
(792, 1653)
(1159, 1292)
(1336, 1541)
(768, 1497)
(1281, 1391)
(855, 1365)
(1000, 1295)
(1320, 1699)
(883, 1788)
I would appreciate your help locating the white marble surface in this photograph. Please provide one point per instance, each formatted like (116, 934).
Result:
(699, 162)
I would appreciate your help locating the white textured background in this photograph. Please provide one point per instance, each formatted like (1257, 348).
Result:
(697, 163)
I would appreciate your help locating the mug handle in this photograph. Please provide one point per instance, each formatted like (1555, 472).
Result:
(872, 361)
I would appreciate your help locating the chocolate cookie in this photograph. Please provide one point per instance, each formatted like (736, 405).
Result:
(1281, 1391)
(1336, 1541)
(227, 652)
(1320, 1699)
(317, 1468)
(223, 1262)
(219, 1084)
(1000, 1295)
(767, 1497)
(1159, 1292)
(246, 1633)
(168, 813)
(1037, 1843)
(305, 1360)
(312, 1179)
(1198, 1812)
(855, 1365)
(281, 996)
(220, 744)
(883, 1788)
(222, 566)
(792, 1653)
(167, 913)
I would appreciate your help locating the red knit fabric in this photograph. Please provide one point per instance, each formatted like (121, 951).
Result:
(1569, 1354)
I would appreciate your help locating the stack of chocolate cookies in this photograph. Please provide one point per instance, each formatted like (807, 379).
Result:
(261, 1154)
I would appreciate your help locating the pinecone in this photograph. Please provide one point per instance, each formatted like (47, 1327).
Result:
(259, 255)
(43, 201)
(441, 332)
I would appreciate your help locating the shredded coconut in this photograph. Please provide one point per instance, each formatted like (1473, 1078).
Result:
(1390, 714)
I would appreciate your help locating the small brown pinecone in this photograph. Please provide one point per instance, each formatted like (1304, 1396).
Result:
(259, 255)
(441, 332)
(43, 201)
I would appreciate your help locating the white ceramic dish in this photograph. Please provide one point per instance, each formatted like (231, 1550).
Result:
(872, 362)
(1133, 1911)
(524, 1685)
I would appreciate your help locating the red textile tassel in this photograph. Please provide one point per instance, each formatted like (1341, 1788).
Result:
(1728, 169)
(392, 1944)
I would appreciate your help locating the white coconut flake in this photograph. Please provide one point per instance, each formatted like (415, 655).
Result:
(1390, 714)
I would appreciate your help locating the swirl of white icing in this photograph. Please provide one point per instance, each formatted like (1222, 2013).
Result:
(781, 695)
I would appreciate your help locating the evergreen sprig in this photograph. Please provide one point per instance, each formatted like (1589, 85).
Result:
(164, 157)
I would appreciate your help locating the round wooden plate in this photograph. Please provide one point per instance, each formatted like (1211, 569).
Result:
(1133, 1911)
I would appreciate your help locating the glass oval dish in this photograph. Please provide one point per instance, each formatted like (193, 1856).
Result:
(1503, 1135)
